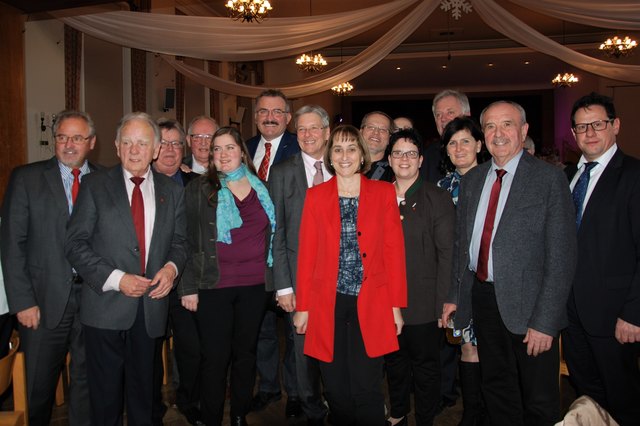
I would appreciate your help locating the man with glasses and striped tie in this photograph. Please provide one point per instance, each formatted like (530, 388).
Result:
(601, 344)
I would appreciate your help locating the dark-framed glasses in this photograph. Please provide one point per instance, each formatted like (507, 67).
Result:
(381, 130)
(263, 112)
(75, 139)
(172, 144)
(409, 154)
(597, 125)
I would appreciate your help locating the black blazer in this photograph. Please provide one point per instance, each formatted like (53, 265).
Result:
(607, 279)
(288, 146)
(34, 222)
(428, 220)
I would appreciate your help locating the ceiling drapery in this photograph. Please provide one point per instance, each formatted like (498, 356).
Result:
(222, 39)
(208, 38)
(504, 22)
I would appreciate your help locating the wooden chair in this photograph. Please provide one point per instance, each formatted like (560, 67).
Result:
(12, 370)
(564, 371)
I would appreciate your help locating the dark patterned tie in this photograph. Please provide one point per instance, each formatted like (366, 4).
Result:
(482, 270)
(137, 211)
(580, 190)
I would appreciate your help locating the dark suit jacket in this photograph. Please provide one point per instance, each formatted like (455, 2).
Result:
(607, 280)
(288, 146)
(428, 221)
(384, 282)
(288, 188)
(534, 248)
(34, 222)
(101, 238)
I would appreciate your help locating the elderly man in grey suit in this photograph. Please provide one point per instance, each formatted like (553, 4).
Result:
(42, 288)
(126, 238)
(514, 259)
(288, 185)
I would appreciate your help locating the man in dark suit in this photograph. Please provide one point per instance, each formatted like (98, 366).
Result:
(514, 259)
(126, 238)
(288, 186)
(199, 136)
(602, 343)
(42, 288)
(272, 145)
(186, 343)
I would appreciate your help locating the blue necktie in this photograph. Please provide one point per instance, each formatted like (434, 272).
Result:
(580, 190)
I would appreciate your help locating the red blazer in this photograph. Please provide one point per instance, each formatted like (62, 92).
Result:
(384, 283)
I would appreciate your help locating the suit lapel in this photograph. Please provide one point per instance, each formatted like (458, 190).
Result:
(299, 174)
(604, 189)
(118, 194)
(54, 181)
(475, 191)
(162, 197)
(518, 196)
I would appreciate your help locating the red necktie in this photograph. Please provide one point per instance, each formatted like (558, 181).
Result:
(264, 165)
(137, 211)
(75, 187)
(482, 270)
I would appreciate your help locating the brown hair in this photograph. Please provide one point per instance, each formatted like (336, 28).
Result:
(347, 132)
(213, 175)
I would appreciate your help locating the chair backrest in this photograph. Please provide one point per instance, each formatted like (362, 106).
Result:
(6, 363)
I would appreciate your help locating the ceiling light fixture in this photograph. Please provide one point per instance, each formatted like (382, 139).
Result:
(248, 10)
(311, 62)
(342, 89)
(564, 80)
(617, 47)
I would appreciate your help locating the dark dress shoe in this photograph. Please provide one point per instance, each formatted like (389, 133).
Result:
(238, 421)
(293, 409)
(262, 399)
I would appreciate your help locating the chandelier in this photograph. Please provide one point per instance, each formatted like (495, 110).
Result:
(248, 10)
(342, 89)
(617, 47)
(311, 63)
(564, 80)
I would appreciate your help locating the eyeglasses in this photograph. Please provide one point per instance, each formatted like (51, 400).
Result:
(172, 144)
(409, 154)
(381, 130)
(312, 129)
(597, 125)
(76, 139)
(200, 138)
(263, 112)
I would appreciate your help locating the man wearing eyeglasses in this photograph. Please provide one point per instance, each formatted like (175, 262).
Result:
(273, 145)
(186, 343)
(376, 128)
(602, 343)
(42, 288)
(199, 137)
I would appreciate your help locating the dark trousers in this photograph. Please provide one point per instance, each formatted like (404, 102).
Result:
(416, 363)
(353, 381)
(120, 367)
(229, 321)
(186, 350)
(519, 389)
(604, 369)
(45, 353)
(308, 379)
(268, 355)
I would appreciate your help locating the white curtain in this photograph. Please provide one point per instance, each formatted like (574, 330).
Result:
(621, 15)
(352, 68)
(225, 40)
(504, 22)
(222, 39)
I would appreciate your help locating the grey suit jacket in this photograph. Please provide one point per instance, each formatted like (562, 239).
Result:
(534, 248)
(34, 222)
(287, 187)
(101, 238)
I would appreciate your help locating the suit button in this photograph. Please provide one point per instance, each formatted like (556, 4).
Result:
(359, 233)
(401, 217)
(136, 249)
(364, 254)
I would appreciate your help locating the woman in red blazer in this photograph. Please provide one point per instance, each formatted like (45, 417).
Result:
(351, 280)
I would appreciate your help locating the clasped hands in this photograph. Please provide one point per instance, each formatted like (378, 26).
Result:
(136, 286)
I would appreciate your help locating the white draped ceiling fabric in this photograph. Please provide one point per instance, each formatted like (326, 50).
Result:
(210, 38)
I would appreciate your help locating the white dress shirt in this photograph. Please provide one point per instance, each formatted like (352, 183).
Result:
(595, 174)
(260, 151)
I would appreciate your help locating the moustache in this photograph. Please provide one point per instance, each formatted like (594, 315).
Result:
(266, 122)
